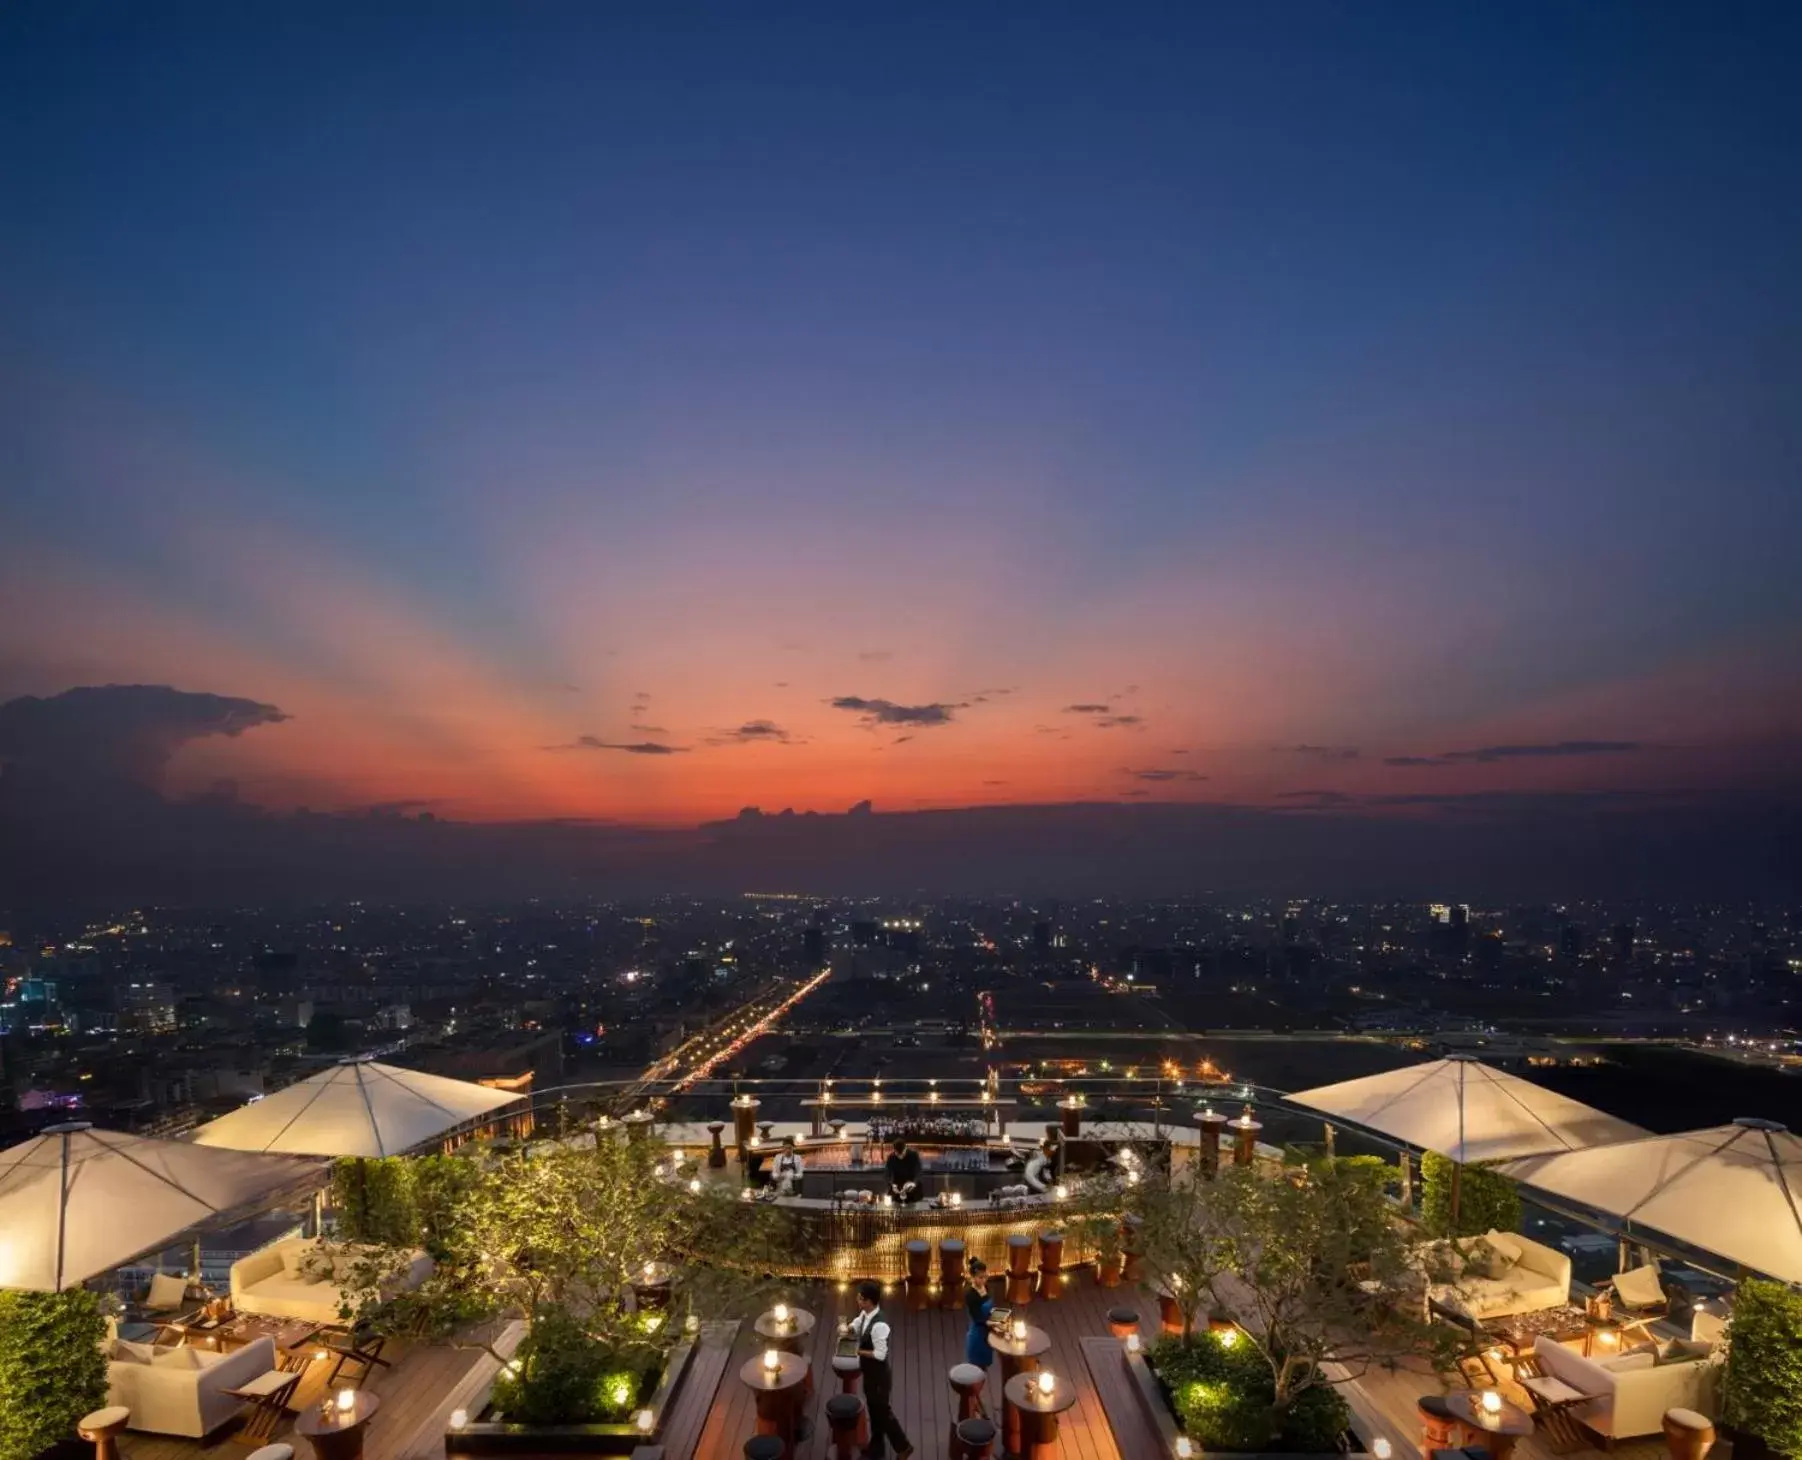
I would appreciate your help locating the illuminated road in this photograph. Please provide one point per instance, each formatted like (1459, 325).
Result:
(697, 1058)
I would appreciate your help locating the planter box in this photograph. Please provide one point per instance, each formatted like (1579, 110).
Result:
(499, 1437)
(1157, 1408)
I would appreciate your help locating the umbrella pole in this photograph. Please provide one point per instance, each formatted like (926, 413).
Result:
(1457, 1183)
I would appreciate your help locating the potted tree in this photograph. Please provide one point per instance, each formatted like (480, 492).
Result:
(1762, 1401)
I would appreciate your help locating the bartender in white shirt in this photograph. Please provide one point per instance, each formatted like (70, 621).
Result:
(789, 1166)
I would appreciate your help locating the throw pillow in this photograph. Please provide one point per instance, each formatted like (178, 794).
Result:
(1684, 1351)
(1507, 1244)
(124, 1351)
(320, 1263)
(292, 1258)
(1640, 1358)
(1486, 1260)
(167, 1290)
(1639, 1287)
(184, 1357)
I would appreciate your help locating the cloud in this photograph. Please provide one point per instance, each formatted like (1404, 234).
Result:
(640, 747)
(1315, 800)
(650, 730)
(887, 712)
(754, 732)
(1325, 752)
(117, 732)
(1112, 720)
(994, 783)
(1163, 774)
(1087, 709)
(876, 656)
(1495, 754)
(901, 740)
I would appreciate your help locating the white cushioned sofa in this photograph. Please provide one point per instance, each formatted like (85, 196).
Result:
(1536, 1277)
(180, 1391)
(278, 1281)
(1630, 1392)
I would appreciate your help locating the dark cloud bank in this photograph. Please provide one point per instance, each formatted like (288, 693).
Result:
(83, 821)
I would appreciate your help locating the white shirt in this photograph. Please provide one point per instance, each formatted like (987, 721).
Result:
(789, 1163)
(872, 1333)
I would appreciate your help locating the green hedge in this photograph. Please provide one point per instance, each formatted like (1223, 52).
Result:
(1764, 1365)
(1224, 1396)
(1485, 1199)
(52, 1370)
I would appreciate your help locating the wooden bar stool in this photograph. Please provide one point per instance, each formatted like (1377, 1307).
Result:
(846, 1422)
(716, 1156)
(973, 1439)
(951, 1272)
(101, 1429)
(1051, 1265)
(850, 1379)
(1122, 1321)
(1689, 1435)
(765, 1447)
(1170, 1313)
(1440, 1429)
(966, 1385)
(1019, 1270)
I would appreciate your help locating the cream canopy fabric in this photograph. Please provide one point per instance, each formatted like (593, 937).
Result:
(76, 1201)
(1734, 1190)
(1467, 1111)
(357, 1108)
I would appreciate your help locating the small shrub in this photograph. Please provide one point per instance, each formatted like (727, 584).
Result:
(1314, 1423)
(566, 1377)
(1223, 1393)
(1764, 1365)
(52, 1370)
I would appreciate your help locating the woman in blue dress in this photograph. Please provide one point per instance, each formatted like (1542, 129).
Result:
(979, 1305)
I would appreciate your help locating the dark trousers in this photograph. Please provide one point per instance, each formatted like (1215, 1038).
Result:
(878, 1394)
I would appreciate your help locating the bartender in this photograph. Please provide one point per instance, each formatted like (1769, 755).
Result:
(789, 1167)
(903, 1168)
(1041, 1168)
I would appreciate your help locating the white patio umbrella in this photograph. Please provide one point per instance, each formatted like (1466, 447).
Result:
(1467, 1111)
(76, 1201)
(1734, 1190)
(355, 1108)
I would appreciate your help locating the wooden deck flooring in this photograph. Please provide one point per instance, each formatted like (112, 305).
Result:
(715, 1413)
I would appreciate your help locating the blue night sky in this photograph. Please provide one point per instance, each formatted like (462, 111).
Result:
(638, 411)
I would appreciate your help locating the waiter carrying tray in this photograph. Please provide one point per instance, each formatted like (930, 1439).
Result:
(870, 1328)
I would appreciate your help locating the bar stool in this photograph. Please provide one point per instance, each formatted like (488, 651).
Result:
(1019, 1270)
(716, 1155)
(845, 1420)
(1440, 1429)
(1051, 1265)
(101, 1429)
(966, 1383)
(1689, 1435)
(764, 1447)
(951, 1272)
(272, 1452)
(850, 1376)
(973, 1439)
(1122, 1322)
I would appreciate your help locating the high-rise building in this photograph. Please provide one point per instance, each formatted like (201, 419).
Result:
(813, 947)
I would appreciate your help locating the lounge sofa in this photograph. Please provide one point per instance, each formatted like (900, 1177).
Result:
(279, 1281)
(1536, 1277)
(1630, 1392)
(180, 1391)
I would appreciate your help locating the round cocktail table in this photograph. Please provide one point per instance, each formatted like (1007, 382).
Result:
(337, 1434)
(1036, 1412)
(779, 1393)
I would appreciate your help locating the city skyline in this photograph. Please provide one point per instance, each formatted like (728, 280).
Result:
(631, 418)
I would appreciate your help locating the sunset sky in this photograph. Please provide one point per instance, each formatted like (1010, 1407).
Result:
(640, 412)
